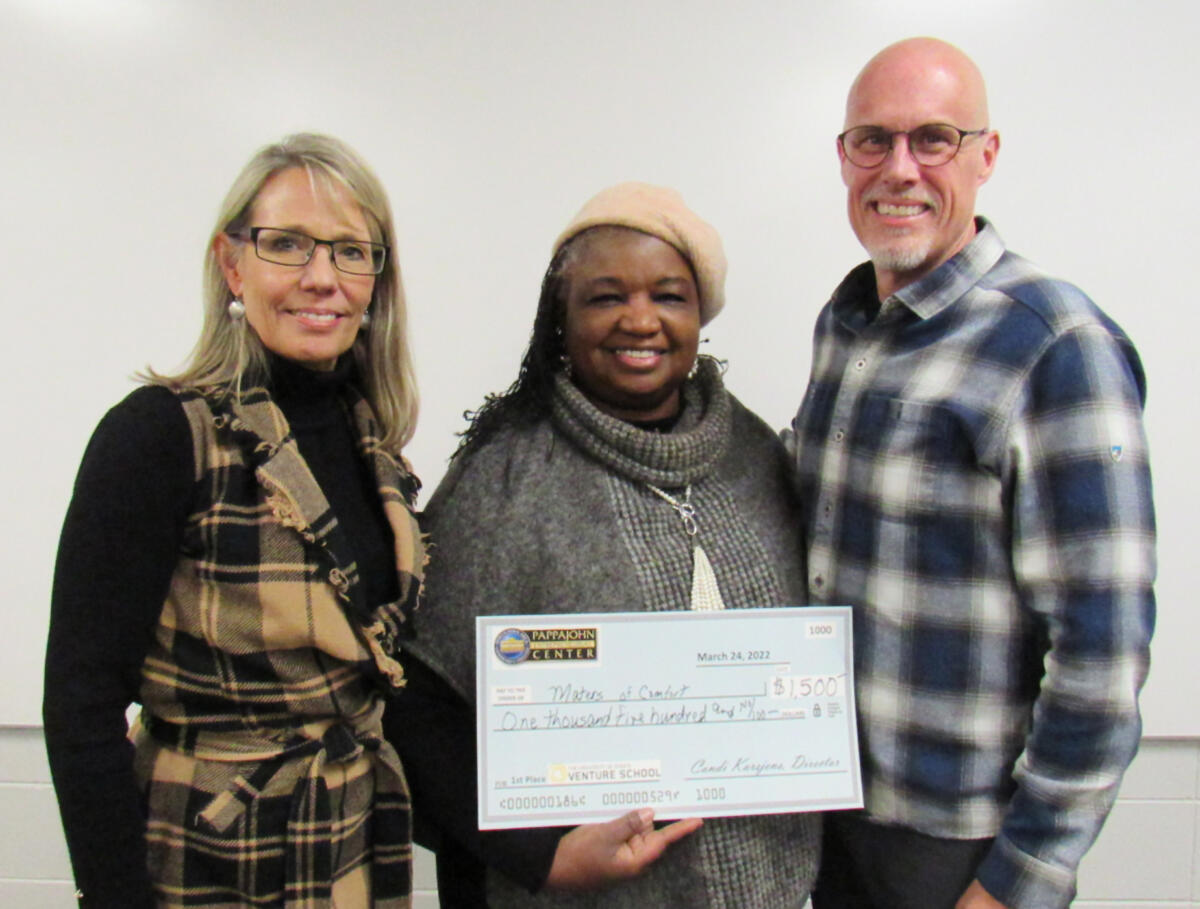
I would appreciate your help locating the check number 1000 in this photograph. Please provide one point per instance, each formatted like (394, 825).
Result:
(794, 687)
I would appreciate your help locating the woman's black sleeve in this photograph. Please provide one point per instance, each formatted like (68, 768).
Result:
(433, 730)
(119, 546)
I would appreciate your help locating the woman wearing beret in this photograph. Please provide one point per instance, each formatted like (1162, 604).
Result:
(570, 490)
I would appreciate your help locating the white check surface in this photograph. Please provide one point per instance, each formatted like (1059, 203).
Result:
(583, 716)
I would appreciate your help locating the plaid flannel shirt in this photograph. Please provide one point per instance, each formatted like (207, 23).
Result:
(975, 482)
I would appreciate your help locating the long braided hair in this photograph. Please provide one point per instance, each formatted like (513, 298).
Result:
(527, 400)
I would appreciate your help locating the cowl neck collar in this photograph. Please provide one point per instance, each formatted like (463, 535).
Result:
(682, 456)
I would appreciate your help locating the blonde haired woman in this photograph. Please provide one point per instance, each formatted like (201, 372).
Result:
(240, 557)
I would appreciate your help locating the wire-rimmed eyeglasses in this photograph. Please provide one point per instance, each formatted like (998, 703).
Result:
(930, 144)
(291, 247)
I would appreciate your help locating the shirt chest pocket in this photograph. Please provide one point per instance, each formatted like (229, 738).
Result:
(913, 457)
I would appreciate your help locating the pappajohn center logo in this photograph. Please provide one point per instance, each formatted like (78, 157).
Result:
(515, 645)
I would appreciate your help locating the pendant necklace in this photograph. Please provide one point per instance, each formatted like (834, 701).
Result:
(706, 595)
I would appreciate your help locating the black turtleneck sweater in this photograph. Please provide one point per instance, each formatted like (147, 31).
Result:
(117, 553)
(118, 549)
(312, 403)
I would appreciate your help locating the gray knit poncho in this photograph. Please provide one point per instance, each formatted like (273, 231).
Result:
(558, 518)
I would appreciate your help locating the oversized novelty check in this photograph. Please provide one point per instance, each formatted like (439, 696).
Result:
(582, 717)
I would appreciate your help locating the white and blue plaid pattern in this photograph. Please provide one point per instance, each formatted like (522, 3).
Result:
(975, 483)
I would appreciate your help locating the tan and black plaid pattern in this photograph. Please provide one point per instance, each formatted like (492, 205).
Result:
(265, 773)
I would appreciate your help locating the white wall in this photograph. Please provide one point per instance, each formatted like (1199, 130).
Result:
(491, 122)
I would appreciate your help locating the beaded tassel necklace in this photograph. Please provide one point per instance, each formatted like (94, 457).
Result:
(706, 595)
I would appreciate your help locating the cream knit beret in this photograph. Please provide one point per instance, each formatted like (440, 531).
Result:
(660, 212)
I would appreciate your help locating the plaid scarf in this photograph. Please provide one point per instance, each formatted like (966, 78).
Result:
(267, 778)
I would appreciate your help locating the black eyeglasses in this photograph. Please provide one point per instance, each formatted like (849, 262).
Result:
(930, 144)
(290, 247)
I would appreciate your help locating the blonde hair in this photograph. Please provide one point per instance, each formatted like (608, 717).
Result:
(228, 354)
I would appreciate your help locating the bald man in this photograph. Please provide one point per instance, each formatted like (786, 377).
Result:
(975, 480)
